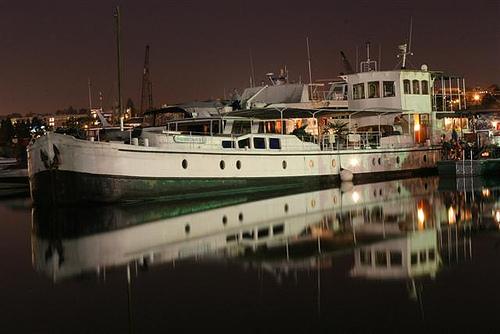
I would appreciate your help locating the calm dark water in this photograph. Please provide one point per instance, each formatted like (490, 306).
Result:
(412, 255)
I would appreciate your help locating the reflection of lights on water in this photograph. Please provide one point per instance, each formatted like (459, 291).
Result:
(452, 219)
(421, 218)
(355, 197)
(486, 192)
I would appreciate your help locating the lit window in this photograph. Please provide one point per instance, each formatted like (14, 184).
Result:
(389, 89)
(358, 91)
(373, 89)
(416, 87)
(425, 87)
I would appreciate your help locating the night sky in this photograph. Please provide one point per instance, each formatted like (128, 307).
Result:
(199, 49)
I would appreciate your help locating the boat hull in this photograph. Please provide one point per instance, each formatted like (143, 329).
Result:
(65, 170)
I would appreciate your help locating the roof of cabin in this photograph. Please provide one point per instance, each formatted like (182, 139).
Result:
(276, 113)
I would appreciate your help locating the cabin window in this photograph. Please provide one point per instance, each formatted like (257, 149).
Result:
(227, 144)
(244, 143)
(358, 91)
(259, 143)
(406, 86)
(274, 143)
(425, 87)
(241, 127)
(389, 89)
(373, 89)
(416, 87)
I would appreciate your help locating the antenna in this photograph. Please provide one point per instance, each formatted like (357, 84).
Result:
(405, 49)
(252, 72)
(411, 30)
(309, 60)
(368, 65)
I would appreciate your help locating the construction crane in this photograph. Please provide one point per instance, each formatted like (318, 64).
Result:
(147, 87)
(346, 63)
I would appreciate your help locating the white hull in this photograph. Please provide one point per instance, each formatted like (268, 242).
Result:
(101, 171)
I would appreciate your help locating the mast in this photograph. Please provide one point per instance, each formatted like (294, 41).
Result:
(90, 96)
(118, 64)
(147, 87)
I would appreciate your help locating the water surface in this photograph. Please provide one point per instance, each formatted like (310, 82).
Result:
(399, 256)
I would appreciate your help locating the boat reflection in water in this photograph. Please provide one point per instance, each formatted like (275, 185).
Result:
(72, 241)
(398, 229)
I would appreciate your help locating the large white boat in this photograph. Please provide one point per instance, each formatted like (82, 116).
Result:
(387, 129)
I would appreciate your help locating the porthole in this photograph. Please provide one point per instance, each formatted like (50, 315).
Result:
(224, 220)
(375, 193)
(222, 164)
(187, 228)
(425, 158)
(334, 163)
(397, 160)
(311, 163)
(284, 164)
(380, 192)
(379, 161)
(399, 190)
(373, 161)
(238, 164)
(184, 164)
(425, 186)
(313, 203)
(240, 217)
(334, 199)
(286, 207)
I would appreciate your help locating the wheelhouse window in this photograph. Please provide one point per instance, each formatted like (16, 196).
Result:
(244, 143)
(358, 91)
(373, 89)
(389, 89)
(406, 86)
(274, 144)
(425, 87)
(416, 87)
(259, 143)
